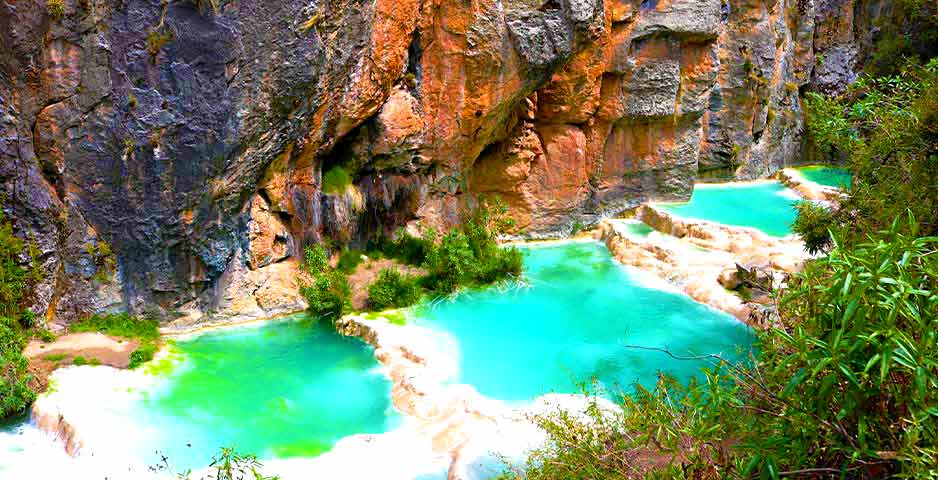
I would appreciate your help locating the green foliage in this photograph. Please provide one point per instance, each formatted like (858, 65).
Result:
(19, 271)
(156, 39)
(349, 260)
(144, 353)
(15, 277)
(79, 360)
(470, 255)
(55, 9)
(813, 224)
(15, 391)
(392, 289)
(336, 180)
(888, 127)
(55, 357)
(228, 464)
(328, 295)
(848, 388)
(404, 246)
(119, 325)
(44, 334)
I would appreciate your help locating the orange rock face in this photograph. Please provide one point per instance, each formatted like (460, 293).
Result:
(207, 151)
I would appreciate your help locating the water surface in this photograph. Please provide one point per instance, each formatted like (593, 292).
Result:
(768, 206)
(571, 323)
(826, 175)
(288, 388)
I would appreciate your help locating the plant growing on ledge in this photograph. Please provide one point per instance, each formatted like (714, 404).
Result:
(392, 289)
(328, 294)
(55, 9)
(336, 180)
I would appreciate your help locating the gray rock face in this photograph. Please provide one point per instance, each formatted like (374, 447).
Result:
(165, 158)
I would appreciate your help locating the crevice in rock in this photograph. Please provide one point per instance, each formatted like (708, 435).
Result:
(414, 74)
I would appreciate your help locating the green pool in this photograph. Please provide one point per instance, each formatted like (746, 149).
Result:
(768, 206)
(826, 175)
(288, 388)
(570, 324)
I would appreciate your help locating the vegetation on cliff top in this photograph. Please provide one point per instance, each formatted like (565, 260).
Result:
(847, 386)
(466, 256)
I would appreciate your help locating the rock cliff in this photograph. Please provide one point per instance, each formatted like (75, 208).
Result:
(167, 157)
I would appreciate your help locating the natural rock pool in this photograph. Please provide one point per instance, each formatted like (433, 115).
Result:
(570, 324)
(827, 176)
(289, 388)
(293, 388)
(764, 205)
(284, 389)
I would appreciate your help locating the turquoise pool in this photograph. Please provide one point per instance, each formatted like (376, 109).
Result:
(284, 389)
(768, 206)
(570, 324)
(826, 175)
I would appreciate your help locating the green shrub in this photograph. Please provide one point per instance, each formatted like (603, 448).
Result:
(470, 255)
(15, 278)
(144, 353)
(888, 127)
(119, 325)
(813, 224)
(55, 9)
(349, 260)
(404, 246)
(156, 39)
(44, 334)
(329, 295)
(15, 392)
(16, 281)
(336, 180)
(393, 289)
(55, 357)
(452, 263)
(79, 360)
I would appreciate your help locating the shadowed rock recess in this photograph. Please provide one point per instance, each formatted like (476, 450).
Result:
(167, 157)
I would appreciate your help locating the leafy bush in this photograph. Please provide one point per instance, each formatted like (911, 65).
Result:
(55, 9)
(328, 295)
(452, 263)
(119, 325)
(349, 260)
(15, 392)
(16, 280)
(470, 254)
(404, 246)
(79, 360)
(336, 180)
(813, 224)
(144, 353)
(392, 289)
(888, 127)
